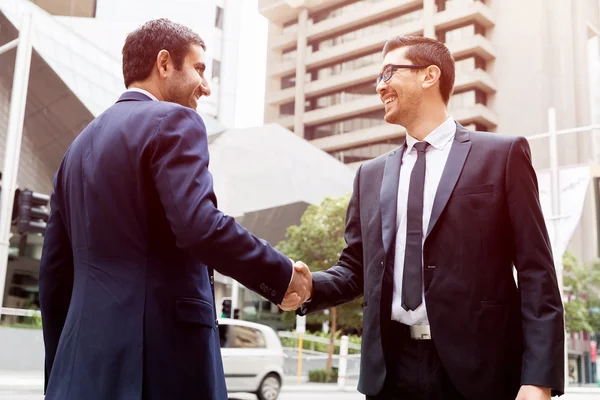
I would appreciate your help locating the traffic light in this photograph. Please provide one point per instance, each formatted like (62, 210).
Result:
(33, 212)
(226, 308)
(236, 313)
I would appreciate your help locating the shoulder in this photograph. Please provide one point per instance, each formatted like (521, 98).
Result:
(497, 141)
(378, 163)
(174, 117)
(493, 138)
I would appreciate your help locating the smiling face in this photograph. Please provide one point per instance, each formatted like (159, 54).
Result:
(186, 84)
(402, 93)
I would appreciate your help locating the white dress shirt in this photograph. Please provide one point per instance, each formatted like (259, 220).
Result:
(436, 155)
(142, 91)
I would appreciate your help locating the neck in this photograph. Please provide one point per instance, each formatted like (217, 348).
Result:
(423, 126)
(148, 87)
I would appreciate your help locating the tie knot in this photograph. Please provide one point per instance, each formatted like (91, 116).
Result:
(421, 146)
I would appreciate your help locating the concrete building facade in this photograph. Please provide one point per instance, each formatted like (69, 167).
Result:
(514, 60)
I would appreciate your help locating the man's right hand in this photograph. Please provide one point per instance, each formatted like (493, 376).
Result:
(300, 288)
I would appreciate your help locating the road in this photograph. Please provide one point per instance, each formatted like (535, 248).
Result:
(29, 387)
(285, 395)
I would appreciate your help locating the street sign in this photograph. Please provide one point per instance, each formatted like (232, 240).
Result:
(300, 324)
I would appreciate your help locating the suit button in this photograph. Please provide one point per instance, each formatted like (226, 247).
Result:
(216, 322)
(382, 263)
(212, 280)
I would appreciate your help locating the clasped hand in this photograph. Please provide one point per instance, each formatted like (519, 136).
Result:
(299, 290)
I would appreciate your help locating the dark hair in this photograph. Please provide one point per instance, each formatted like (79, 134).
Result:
(426, 51)
(143, 45)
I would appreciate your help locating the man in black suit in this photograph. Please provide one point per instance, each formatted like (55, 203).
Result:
(126, 276)
(433, 231)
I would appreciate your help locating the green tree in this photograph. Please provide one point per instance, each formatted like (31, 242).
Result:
(318, 241)
(582, 284)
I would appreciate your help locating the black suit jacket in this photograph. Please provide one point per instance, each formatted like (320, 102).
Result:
(491, 335)
(126, 291)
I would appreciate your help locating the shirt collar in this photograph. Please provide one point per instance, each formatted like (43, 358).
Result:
(438, 138)
(143, 92)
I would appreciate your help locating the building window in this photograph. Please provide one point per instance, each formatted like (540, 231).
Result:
(367, 152)
(346, 95)
(364, 121)
(219, 18)
(216, 71)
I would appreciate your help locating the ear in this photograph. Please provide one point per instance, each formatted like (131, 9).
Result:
(432, 76)
(162, 62)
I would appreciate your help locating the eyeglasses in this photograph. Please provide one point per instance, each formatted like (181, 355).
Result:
(389, 70)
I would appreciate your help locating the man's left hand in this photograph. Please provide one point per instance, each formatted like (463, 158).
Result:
(528, 392)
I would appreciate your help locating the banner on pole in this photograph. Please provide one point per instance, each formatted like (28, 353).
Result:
(573, 181)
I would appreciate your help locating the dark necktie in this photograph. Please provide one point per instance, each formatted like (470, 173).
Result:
(413, 255)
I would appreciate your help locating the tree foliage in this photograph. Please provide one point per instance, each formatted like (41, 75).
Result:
(582, 285)
(318, 241)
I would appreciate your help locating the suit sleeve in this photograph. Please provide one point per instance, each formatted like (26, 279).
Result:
(541, 303)
(179, 167)
(343, 282)
(56, 282)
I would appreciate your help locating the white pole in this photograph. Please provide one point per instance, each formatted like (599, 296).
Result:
(9, 46)
(235, 289)
(14, 134)
(555, 191)
(343, 365)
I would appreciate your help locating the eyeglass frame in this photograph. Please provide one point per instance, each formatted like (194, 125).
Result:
(393, 68)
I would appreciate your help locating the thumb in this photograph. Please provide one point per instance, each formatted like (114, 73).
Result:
(299, 266)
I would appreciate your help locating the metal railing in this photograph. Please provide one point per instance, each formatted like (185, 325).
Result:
(316, 339)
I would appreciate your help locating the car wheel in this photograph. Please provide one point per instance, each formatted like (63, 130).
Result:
(269, 388)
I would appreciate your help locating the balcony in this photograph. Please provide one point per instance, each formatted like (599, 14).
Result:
(330, 84)
(370, 15)
(287, 10)
(337, 112)
(359, 138)
(476, 45)
(339, 53)
(477, 79)
(470, 13)
(476, 114)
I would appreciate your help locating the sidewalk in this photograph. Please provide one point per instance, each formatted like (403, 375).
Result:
(290, 384)
(22, 381)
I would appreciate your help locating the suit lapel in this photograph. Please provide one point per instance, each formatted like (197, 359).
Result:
(454, 166)
(389, 196)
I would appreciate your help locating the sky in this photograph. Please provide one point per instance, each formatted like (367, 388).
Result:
(249, 107)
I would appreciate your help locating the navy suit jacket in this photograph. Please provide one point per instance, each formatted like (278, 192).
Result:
(126, 285)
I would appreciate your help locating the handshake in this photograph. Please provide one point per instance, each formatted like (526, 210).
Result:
(300, 288)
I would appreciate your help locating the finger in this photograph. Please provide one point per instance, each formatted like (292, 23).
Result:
(299, 265)
(290, 300)
(302, 268)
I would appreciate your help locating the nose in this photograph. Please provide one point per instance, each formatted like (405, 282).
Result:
(381, 86)
(205, 88)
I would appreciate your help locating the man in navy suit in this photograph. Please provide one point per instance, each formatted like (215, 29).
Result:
(126, 276)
